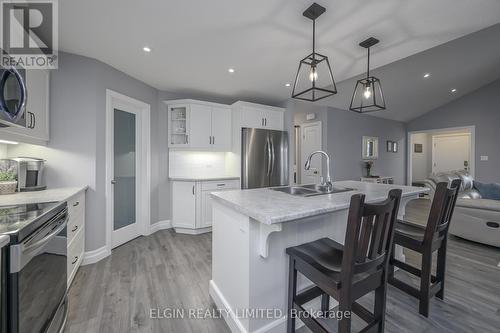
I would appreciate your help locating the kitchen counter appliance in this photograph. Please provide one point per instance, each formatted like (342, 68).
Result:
(264, 158)
(30, 174)
(13, 96)
(34, 291)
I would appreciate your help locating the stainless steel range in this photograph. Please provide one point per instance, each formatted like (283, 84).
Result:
(34, 297)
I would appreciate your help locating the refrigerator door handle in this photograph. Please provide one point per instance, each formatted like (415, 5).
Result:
(268, 148)
(273, 156)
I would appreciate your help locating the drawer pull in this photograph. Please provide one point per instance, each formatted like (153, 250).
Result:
(74, 261)
(75, 228)
(76, 203)
(221, 184)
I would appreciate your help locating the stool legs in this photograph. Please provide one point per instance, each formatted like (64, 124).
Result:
(441, 268)
(292, 291)
(425, 284)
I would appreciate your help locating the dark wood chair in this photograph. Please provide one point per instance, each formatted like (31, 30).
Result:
(346, 272)
(427, 240)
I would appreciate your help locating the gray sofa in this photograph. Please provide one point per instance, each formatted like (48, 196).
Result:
(475, 219)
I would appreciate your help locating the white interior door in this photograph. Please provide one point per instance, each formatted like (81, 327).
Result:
(310, 140)
(127, 169)
(451, 152)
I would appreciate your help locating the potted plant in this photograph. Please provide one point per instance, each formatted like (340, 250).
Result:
(368, 165)
(8, 181)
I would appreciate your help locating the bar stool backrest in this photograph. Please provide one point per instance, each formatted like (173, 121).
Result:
(369, 235)
(441, 211)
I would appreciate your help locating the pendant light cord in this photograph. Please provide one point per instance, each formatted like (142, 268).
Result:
(314, 38)
(368, 67)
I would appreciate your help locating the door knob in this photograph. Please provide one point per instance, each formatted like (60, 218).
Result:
(113, 181)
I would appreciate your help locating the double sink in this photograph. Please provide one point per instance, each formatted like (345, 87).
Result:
(311, 190)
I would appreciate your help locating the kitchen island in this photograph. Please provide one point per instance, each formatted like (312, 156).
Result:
(251, 230)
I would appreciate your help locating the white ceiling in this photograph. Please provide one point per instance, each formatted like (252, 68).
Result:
(194, 42)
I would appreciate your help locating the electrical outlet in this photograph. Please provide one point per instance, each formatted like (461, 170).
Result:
(484, 158)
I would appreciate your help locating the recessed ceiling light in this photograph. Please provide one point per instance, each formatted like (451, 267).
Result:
(426, 75)
(287, 84)
(146, 49)
(231, 70)
(453, 90)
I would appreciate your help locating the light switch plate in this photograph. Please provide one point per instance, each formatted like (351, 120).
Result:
(310, 116)
(484, 158)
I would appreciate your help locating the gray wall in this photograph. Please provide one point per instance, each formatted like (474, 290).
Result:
(76, 152)
(342, 138)
(480, 108)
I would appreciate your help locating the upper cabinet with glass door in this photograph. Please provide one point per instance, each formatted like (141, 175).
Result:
(199, 125)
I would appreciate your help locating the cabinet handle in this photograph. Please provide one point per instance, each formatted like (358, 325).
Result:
(193, 189)
(75, 228)
(213, 140)
(187, 140)
(221, 184)
(74, 261)
(209, 140)
(262, 121)
(34, 120)
(76, 203)
(265, 121)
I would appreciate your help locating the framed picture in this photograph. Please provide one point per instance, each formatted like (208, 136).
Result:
(394, 147)
(418, 148)
(389, 146)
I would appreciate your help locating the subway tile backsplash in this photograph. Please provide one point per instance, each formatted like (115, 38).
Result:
(199, 164)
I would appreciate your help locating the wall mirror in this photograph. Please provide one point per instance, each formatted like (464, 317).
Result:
(370, 148)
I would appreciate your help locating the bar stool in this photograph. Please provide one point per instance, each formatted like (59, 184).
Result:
(427, 240)
(346, 272)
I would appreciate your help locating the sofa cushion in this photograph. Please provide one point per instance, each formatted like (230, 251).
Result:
(488, 191)
(470, 194)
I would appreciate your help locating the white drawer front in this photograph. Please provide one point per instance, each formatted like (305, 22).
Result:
(76, 210)
(215, 185)
(75, 254)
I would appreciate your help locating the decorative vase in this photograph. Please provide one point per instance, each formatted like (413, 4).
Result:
(8, 187)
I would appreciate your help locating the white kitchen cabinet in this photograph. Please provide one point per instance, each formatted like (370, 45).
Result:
(258, 116)
(200, 128)
(199, 125)
(76, 234)
(221, 128)
(37, 110)
(192, 204)
(184, 205)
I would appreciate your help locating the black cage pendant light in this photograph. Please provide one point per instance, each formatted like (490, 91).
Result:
(368, 95)
(314, 79)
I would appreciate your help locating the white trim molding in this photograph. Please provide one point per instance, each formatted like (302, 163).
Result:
(143, 163)
(91, 257)
(443, 131)
(160, 225)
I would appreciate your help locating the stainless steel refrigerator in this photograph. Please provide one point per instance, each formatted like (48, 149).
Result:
(264, 158)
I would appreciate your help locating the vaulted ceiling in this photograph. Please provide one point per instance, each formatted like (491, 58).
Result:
(194, 43)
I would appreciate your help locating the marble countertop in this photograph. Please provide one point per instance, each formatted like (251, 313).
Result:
(4, 240)
(269, 207)
(202, 178)
(53, 194)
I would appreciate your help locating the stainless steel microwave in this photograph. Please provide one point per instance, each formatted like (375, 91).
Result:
(13, 96)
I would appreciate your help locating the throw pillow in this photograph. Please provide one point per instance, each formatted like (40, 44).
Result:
(488, 191)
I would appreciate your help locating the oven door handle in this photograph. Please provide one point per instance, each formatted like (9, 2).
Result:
(46, 239)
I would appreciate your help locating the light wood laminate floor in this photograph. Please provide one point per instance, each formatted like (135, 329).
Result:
(169, 270)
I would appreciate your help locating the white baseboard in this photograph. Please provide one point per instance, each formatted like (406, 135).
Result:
(234, 323)
(160, 225)
(189, 231)
(91, 257)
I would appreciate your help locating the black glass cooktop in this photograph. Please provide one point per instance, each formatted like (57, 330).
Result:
(15, 218)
